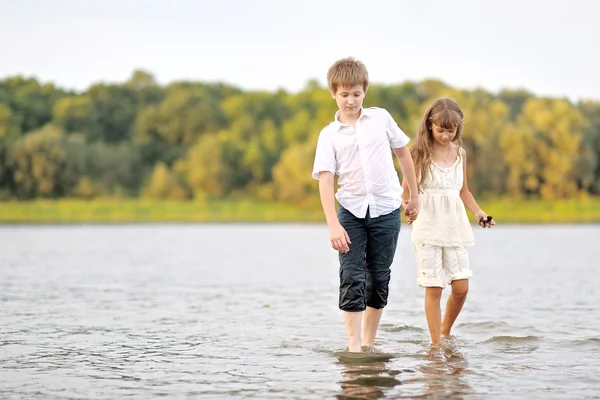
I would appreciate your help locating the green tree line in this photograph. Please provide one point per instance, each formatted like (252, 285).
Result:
(194, 140)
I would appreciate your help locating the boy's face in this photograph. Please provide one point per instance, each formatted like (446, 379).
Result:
(349, 100)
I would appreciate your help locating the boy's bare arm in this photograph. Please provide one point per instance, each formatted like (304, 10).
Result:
(338, 237)
(411, 206)
(405, 192)
(408, 170)
(326, 188)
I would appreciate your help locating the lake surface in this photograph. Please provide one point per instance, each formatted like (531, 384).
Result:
(250, 311)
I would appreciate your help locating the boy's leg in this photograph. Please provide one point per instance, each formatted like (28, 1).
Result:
(371, 319)
(458, 272)
(430, 276)
(352, 320)
(382, 238)
(353, 277)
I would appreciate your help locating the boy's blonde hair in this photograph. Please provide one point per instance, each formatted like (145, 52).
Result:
(346, 73)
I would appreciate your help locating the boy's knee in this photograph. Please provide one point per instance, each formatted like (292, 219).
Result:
(380, 277)
(351, 277)
(352, 290)
(378, 289)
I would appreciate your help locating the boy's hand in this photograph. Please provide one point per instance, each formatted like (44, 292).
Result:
(338, 238)
(482, 217)
(411, 210)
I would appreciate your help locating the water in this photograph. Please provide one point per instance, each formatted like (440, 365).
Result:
(250, 311)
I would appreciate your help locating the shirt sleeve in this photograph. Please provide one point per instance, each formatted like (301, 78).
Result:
(396, 136)
(324, 156)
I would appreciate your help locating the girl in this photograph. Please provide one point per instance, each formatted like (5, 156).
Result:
(442, 231)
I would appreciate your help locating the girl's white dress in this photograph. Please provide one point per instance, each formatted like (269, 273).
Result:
(442, 219)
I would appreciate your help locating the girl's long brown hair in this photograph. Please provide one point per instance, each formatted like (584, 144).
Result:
(447, 114)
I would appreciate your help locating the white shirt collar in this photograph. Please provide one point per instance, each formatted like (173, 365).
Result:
(336, 121)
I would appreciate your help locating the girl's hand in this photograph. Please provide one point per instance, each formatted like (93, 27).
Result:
(411, 210)
(482, 220)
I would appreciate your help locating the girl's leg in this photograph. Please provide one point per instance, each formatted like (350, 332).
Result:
(455, 303)
(430, 276)
(433, 312)
(458, 272)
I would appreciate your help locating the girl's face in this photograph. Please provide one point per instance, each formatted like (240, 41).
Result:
(442, 136)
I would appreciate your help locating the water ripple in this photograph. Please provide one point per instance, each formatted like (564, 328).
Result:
(171, 311)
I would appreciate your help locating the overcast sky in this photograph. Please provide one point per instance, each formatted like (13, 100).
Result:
(548, 47)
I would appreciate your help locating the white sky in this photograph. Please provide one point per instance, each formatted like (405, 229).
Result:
(549, 47)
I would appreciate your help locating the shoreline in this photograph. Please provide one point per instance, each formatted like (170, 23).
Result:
(142, 211)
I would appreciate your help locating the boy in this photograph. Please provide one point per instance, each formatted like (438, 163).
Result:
(356, 147)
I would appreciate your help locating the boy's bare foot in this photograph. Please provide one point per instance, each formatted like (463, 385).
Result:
(368, 348)
(354, 349)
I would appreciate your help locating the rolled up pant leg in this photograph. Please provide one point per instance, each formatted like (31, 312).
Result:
(382, 239)
(353, 277)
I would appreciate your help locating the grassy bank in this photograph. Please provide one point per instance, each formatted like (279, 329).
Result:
(133, 210)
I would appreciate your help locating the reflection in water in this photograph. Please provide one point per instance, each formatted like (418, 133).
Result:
(366, 375)
(444, 372)
(170, 311)
(440, 372)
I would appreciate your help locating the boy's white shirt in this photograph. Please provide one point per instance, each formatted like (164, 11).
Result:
(363, 160)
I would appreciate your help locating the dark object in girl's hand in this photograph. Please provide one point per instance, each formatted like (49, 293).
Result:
(485, 222)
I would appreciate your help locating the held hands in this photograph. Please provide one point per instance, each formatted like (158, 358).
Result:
(411, 209)
(338, 238)
(484, 220)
